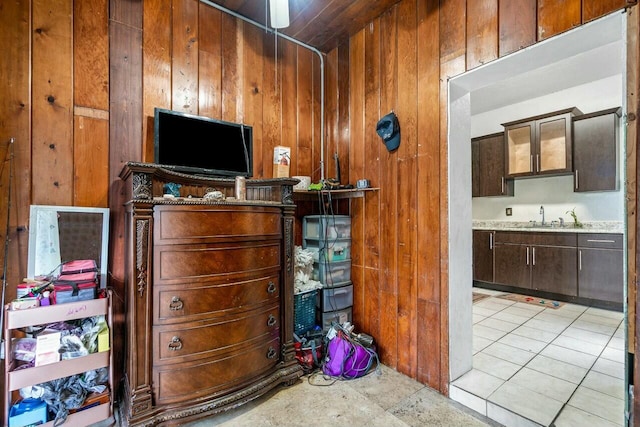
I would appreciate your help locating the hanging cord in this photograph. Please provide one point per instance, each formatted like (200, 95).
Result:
(8, 154)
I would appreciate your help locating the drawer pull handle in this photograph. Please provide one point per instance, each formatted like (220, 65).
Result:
(272, 353)
(176, 304)
(272, 320)
(601, 241)
(175, 344)
(271, 288)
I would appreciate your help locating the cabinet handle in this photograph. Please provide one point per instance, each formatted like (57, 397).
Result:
(580, 259)
(271, 354)
(271, 287)
(176, 304)
(272, 320)
(502, 184)
(537, 162)
(576, 179)
(491, 241)
(527, 255)
(601, 241)
(175, 344)
(531, 163)
(533, 257)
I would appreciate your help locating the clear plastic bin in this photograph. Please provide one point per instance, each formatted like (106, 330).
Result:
(338, 316)
(337, 298)
(326, 226)
(332, 273)
(331, 250)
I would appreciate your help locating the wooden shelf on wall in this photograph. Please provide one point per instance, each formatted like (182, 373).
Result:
(315, 195)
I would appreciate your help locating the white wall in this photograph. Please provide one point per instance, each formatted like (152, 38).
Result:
(460, 242)
(554, 193)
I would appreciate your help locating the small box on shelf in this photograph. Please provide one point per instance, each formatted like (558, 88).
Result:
(47, 346)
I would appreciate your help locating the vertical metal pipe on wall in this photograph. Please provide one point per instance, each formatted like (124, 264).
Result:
(299, 43)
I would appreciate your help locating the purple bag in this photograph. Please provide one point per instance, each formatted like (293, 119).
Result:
(347, 359)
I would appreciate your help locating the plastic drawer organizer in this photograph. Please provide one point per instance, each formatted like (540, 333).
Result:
(332, 274)
(328, 237)
(326, 227)
(338, 316)
(330, 250)
(332, 299)
(15, 380)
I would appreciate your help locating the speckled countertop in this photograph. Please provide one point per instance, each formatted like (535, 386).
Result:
(588, 227)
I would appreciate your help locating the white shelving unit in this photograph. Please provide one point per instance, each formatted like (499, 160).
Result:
(15, 380)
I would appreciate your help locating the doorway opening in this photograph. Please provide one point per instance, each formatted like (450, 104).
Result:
(584, 68)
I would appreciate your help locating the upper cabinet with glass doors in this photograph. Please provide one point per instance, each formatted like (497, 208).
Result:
(539, 145)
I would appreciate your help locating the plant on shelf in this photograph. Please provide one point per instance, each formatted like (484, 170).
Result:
(573, 214)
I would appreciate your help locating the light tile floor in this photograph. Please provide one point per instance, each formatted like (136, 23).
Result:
(537, 366)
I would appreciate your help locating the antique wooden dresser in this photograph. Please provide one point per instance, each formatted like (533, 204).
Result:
(209, 295)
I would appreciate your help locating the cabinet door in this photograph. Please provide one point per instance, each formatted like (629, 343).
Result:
(492, 171)
(483, 255)
(553, 269)
(553, 152)
(600, 274)
(595, 151)
(512, 265)
(475, 168)
(519, 149)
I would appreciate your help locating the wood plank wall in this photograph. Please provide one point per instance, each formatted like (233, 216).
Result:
(81, 79)
(401, 61)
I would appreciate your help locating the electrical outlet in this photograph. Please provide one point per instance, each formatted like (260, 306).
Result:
(508, 211)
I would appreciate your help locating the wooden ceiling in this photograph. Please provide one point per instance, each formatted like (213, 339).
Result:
(323, 24)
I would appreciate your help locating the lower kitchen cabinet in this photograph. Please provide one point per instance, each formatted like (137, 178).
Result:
(537, 261)
(587, 266)
(483, 255)
(600, 267)
(512, 265)
(553, 269)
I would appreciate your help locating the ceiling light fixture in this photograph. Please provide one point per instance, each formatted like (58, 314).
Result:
(279, 13)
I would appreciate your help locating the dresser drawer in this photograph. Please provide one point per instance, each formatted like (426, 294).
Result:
(177, 264)
(196, 340)
(213, 377)
(196, 224)
(187, 302)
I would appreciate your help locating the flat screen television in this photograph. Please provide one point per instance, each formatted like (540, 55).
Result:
(202, 146)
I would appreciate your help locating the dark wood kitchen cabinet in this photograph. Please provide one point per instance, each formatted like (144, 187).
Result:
(483, 255)
(601, 267)
(595, 151)
(553, 269)
(538, 261)
(512, 264)
(540, 145)
(487, 167)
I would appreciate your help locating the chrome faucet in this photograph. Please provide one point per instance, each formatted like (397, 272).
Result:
(542, 213)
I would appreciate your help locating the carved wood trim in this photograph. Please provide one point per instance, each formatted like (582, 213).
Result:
(142, 186)
(288, 243)
(142, 250)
